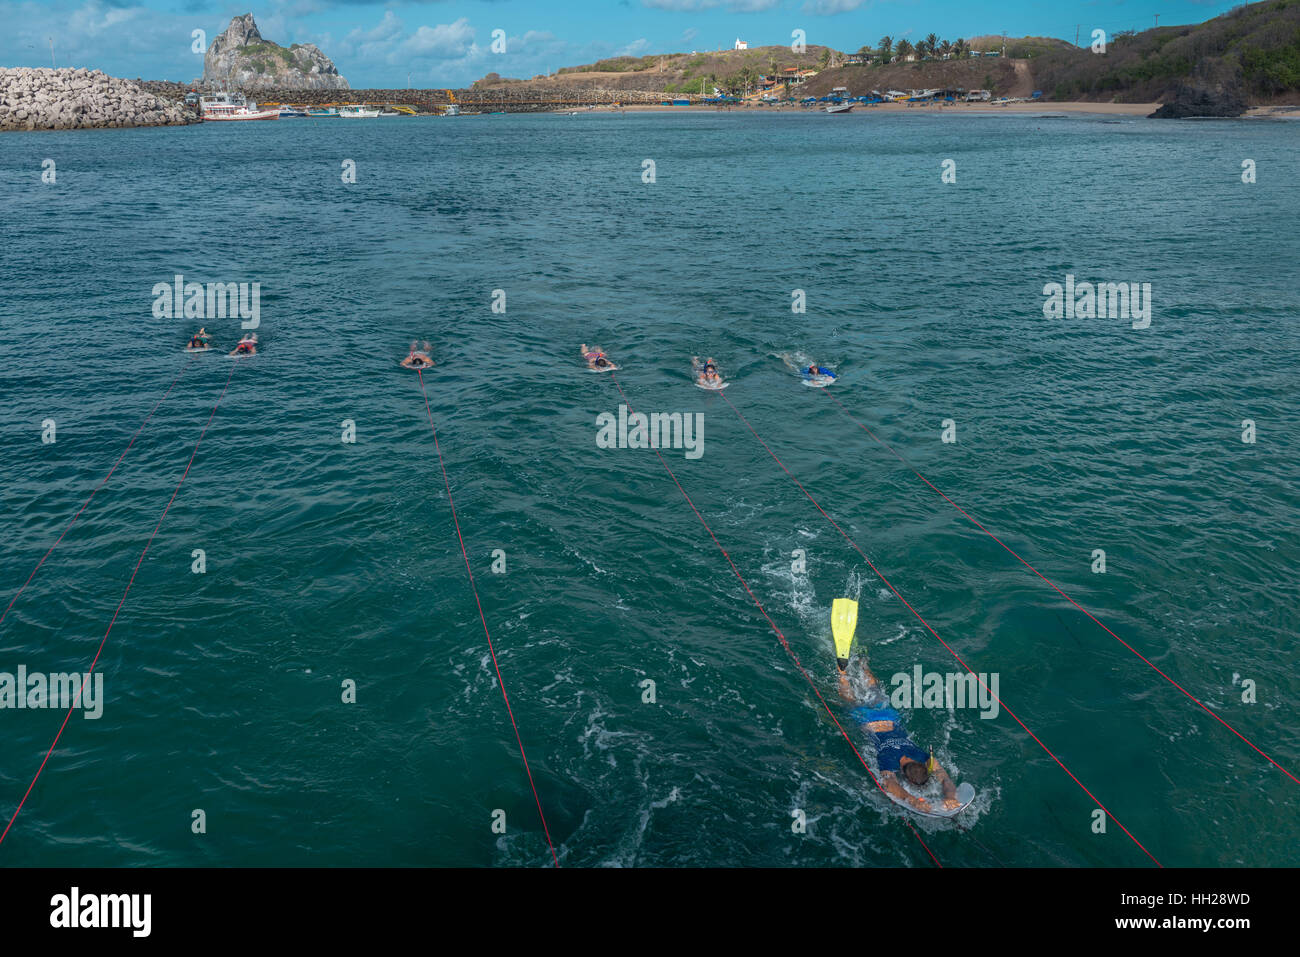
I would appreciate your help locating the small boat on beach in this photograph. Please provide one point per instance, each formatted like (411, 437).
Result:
(839, 107)
(225, 107)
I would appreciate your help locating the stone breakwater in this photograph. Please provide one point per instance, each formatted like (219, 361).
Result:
(77, 99)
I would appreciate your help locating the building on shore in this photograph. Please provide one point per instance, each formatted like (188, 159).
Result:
(786, 79)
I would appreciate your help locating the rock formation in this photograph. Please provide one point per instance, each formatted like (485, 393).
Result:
(1189, 102)
(242, 59)
(74, 99)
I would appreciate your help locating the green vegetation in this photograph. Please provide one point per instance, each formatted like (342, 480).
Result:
(260, 55)
(1253, 51)
(618, 64)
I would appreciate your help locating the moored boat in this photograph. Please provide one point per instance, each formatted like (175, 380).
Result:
(290, 112)
(224, 107)
(323, 112)
(356, 111)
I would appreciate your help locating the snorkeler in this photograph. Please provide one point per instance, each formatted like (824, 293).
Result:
(418, 358)
(896, 752)
(809, 370)
(199, 340)
(247, 346)
(595, 356)
(706, 372)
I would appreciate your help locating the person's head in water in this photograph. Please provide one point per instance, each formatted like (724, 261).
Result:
(916, 773)
(601, 360)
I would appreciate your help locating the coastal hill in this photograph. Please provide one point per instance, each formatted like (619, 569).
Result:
(1253, 52)
(674, 72)
(242, 59)
(1248, 55)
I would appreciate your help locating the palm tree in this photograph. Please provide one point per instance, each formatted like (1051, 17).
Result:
(886, 49)
(959, 48)
(825, 58)
(931, 43)
(945, 49)
(904, 48)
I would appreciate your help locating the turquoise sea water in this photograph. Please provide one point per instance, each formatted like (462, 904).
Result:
(329, 561)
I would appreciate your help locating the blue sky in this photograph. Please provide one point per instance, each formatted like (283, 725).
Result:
(449, 42)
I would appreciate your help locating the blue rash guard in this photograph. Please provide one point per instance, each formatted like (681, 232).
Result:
(892, 745)
(821, 370)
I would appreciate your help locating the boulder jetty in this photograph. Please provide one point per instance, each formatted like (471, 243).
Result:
(79, 99)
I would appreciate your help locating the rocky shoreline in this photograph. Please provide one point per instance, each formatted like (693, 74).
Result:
(79, 99)
(1190, 102)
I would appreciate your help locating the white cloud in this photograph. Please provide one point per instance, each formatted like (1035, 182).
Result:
(690, 6)
(828, 8)
(444, 42)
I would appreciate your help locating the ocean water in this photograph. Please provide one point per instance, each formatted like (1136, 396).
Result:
(328, 561)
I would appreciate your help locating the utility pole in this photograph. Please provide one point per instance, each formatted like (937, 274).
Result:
(52, 66)
(1157, 20)
(1076, 33)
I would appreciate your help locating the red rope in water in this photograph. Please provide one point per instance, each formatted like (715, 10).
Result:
(491, 649)
(784, 643)
(102, 483)
(958, 657)
(140, 561)
(1058, 590)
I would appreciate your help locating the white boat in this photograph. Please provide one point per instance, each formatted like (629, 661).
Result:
(224, 107)
(452, 110)
(290, 112)
(355, 111)
(839, 107)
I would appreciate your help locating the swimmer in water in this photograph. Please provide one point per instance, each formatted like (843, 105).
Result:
(896, 752)
(247, 346)
(595, 356)
(199, 340)
(418, 358)
(706, 372)
(810, 371)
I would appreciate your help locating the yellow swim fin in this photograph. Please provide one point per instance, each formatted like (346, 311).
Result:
(844, 622)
